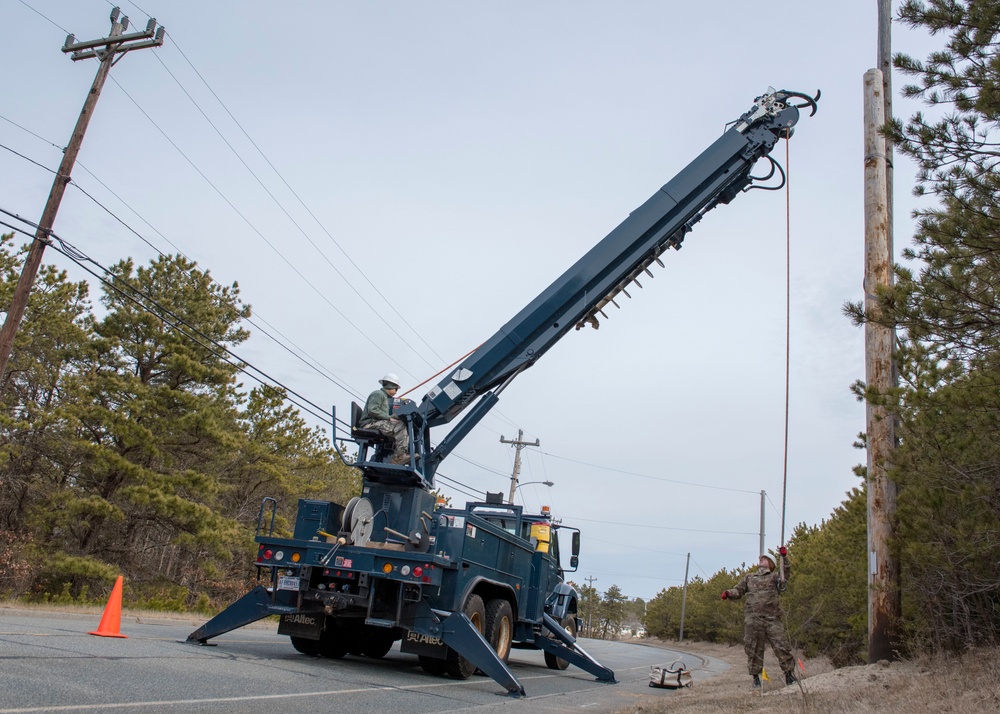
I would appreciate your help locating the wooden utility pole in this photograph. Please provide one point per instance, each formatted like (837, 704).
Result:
(106, 50)
(684, 596)
(883, 569)
(519, 444)
(590, 610)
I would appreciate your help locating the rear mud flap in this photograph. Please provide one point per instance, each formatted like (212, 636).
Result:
(461, 635)
(566, 647)
(253, 606)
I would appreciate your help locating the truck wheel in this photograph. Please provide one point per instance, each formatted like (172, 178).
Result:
(551, 661)
(332, 643)
(377, 644)
(352, 635)
(432, 665)
(456, 665)
(306, 647)
(499, 627)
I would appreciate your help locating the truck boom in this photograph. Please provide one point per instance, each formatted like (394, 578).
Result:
(578, 297)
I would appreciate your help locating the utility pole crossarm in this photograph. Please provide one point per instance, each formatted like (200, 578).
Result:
(153, 37)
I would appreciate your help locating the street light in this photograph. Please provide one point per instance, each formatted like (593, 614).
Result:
(528, 483)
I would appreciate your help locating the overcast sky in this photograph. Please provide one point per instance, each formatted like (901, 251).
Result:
(405, 176)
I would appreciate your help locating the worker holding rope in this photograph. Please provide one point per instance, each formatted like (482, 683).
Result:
(762, 615)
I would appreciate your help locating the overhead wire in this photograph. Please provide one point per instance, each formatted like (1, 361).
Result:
(297, 352)
(44, 17)
(281, 177)
(291, 395)
(647, 476)
(472, 492)
(32, 161)
(250, 224)
(661, 528)
(284, 210)
(115, 282)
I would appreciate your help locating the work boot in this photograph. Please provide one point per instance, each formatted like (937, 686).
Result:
(756, 680)
(789, 678)
(400, 459)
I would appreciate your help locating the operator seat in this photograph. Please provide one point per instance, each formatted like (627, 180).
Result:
(372, 436)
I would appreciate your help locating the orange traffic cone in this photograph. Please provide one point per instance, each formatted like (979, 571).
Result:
(112, 619)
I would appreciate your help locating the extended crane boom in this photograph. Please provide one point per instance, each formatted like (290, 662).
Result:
(576, 299)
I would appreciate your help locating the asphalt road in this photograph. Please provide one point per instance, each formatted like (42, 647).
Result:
(48, 663)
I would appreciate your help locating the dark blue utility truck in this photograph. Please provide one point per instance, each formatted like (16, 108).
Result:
(460, 587)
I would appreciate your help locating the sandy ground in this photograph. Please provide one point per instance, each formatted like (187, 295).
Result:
(970, 683)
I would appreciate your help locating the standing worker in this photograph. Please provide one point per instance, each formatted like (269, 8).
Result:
(377, 416)
(762, 616)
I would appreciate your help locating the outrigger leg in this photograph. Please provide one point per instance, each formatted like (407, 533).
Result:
(461, 635)
(253, 606)
(568, 648)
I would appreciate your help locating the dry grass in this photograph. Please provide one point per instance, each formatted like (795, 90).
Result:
(961, 685)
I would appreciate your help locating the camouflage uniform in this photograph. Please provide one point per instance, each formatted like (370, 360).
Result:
(762, 618)
(376, 416)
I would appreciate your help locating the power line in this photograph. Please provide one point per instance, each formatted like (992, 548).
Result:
(285, 211)
(293, 192)
(456, 484)
(65, 31)
(251, 225)
(662, 528)
(304, 205)
(327, 375)
(632, 575)
(314, 364)
(37, 136)
(647, 476)
(178, 324)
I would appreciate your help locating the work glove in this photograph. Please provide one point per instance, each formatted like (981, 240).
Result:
(782, 550)
(725, 595)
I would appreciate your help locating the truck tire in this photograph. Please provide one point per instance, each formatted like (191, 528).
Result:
(551, 661)
(306, 647)
(499, 630)
(352, 635)
(432, 665)
(456, 665)
(332, 643)
(376, 644)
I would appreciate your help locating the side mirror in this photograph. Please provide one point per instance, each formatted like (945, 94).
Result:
(576, 545)
(574, 561)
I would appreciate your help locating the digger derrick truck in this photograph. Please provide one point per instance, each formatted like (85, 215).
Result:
(462, 586)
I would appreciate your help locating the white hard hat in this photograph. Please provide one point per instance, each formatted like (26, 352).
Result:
(389, 379)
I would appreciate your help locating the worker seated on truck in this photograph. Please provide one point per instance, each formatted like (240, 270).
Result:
(376, 416)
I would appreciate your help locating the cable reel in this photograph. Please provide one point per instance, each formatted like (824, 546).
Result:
(358, 518)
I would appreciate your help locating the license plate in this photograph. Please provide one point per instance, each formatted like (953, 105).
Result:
(287, 583)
